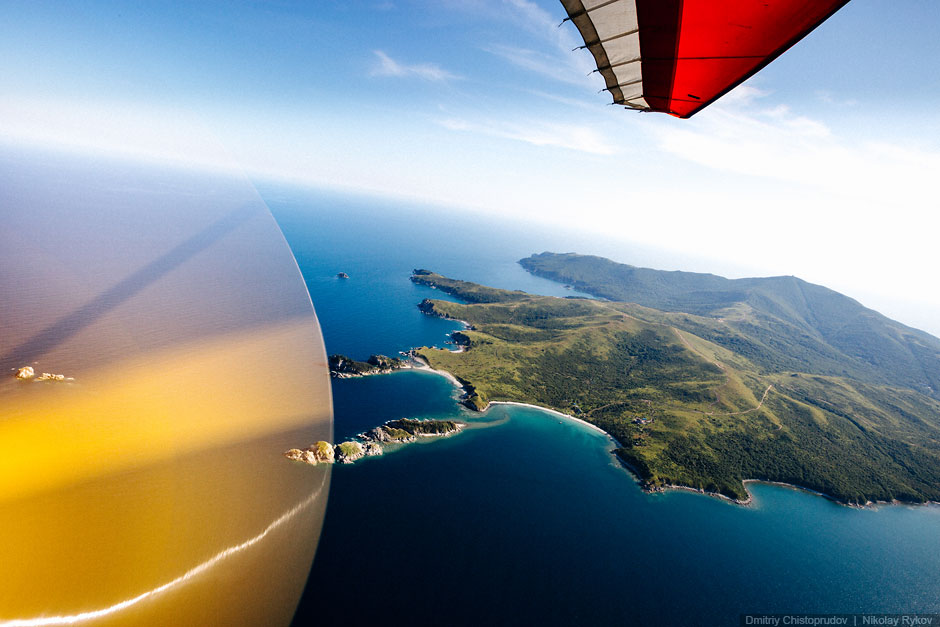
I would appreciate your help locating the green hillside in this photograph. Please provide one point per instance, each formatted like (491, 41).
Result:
(687, 409)
(779, 323)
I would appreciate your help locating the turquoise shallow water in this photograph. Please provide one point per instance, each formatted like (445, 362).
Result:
(526, 518)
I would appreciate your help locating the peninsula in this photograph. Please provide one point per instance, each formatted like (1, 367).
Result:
(710, 390)
(373, 442)
(342, 367)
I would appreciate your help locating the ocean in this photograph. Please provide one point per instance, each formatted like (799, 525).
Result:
(525, 517)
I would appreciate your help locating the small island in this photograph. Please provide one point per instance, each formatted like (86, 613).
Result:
(373, 442)
(342, 275)
(342, 367)
(27, 373)
(410, 429)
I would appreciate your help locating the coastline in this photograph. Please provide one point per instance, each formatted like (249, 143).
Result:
(671, 486)
(750, 498)
(423, 365)
(426, 366)
(745, 502)
(556, 413)
(791, 486)
(348, 375)
(718, 495)
(457, 383)
(868, 505)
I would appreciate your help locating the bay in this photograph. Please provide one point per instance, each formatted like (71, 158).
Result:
(526, 518)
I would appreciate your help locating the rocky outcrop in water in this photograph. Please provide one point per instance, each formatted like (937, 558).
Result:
(27, 373)
(318, 453)
(342, 367)
(410, 429)
(48, 376)
(460, 338)
(372, 448)
(301, 456)
(427, 306)
(371, 443)
(348, 452)
(385, 434)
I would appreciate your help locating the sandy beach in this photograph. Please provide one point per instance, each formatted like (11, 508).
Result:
(423, 365)
(556, 413)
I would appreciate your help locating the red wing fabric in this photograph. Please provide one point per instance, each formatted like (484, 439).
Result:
(679, 56)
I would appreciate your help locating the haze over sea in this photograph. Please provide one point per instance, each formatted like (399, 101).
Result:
(528, 519)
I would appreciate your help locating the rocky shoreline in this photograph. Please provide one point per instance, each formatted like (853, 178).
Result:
(378, 435)
(343, 367)
(26, 373)
(427, 307)
(374, 441)
(465, 399)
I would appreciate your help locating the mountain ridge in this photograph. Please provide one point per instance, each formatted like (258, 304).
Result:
(686, 410)
(782, 323)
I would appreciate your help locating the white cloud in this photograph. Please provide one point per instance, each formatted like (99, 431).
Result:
(772, 142)
(388, 66)
(808, 197)
(569, 136)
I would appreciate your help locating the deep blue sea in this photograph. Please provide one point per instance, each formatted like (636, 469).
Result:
(526, 518)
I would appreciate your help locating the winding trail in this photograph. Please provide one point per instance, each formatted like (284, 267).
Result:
(745, 411)
(722, 367)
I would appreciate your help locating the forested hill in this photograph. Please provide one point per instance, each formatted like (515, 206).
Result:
(779, 323)
(685, 410)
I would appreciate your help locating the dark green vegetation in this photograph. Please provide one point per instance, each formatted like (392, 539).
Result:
(408, 429)
(708, 399)
(423, 427)
(466, 291)
(343, 366)
(348, 450)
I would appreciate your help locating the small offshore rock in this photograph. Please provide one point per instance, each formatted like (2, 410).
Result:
(372, 448)
(296, 454)
(26, 372)
(323, 452)
(48, 376)
(348, 452)
(306, 456)
(318, 453)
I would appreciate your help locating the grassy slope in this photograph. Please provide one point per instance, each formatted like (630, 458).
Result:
(615, 363)
(780, 323)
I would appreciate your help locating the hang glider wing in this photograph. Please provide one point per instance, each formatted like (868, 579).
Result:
(679, 56)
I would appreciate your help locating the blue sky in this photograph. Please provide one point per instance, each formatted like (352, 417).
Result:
(820, 166)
